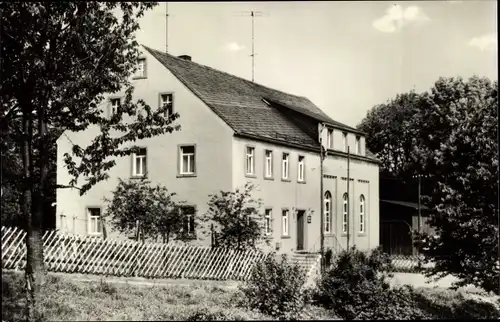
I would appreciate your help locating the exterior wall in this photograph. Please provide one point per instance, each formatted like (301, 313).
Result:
(363, 181)
(278, 194)
(351, 141)
(200, 127)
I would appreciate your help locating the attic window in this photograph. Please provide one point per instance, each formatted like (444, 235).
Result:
(166, 101)
(141, 68)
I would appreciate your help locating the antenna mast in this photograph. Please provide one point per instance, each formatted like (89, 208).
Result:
(253, 49)
(166, 27)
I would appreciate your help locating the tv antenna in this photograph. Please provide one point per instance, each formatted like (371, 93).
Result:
(166, 27)
(253, 14)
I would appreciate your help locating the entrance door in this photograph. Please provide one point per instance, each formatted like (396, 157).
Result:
(300, 229)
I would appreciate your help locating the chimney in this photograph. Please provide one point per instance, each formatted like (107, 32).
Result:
(186, 57)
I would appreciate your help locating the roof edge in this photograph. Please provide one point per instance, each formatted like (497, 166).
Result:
(279, 142)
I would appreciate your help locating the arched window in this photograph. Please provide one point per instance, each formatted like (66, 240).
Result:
(361, 214)
(344, 213)
(327, 220)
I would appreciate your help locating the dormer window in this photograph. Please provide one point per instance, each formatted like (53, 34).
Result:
(141, 68)
(358, 145)
(166, 102)
(344, 141)
(329, 139)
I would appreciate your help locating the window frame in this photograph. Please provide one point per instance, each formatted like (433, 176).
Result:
(329, 139)
(268, 220)
(144, 164)
(144, 69)
(303, 164)
(327, 213)
(285, 219)
(189, 219)
(345, 213)
(168, 113)
(111, 100)
(358, 145)
(271, 164)
(253, 173)
(98, 220)
(344, 141)
(180, 160)
(287, 162)
(362, 214)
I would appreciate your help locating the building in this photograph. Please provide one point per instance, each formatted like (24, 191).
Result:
(235, 131)
(399, 216)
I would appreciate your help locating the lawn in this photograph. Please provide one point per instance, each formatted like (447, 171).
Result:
(69, 300)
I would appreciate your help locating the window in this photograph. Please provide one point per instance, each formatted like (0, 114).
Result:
(95, 224)
(344, 213)
(344, 141)
(141, 68)
(139, 163)
(268, 220)
(361, 214)
(166, 102)
(284, 222)
(358, 145)
(268, 164)
(187, 159)
(301, 169)
(250, 160)
(115, 105)
(284, 166)
(188, 225)
(328, 212)
(329, 139)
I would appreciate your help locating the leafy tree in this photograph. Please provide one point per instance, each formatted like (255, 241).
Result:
(390, 134)
(457, 143)
(454, 143)
(58, 62)
(236, 217)
(150, 211)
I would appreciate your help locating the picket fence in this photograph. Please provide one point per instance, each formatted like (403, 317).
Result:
(95, 255)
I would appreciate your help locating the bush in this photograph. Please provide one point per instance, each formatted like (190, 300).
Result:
(205, 315)
(275, 288)
(355, 287)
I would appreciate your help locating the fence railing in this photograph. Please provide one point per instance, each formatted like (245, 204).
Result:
(408, 263)
(95, 255)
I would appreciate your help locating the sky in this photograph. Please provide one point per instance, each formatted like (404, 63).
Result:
(345, 56)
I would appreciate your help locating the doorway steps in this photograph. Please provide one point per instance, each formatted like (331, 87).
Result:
(310, 262)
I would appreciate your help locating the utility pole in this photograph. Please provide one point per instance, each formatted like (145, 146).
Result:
(166, 27)
(348, 194)
(322, 235)
(419, 218)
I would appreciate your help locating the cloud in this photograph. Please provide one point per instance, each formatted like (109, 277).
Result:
(234, 46)
(485, 42)
(396, 17)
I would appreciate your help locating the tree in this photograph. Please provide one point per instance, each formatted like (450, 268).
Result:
(457, 143)
(59, 60)
(238, 221)
(390, 134)
(145, 210)
(453, 142)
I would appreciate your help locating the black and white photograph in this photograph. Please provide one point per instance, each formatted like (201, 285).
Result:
(266, 160)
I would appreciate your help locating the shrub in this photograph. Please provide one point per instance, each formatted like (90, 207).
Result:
(205, 315)
(275, 288)
(355, 287)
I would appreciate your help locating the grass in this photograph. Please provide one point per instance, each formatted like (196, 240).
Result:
(68, 300)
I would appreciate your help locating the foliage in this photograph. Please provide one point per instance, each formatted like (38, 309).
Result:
(136, 204)
(453, 134)
(276, 288)
(353, 281)
(391, 135)
(59, 61)
(237, 219)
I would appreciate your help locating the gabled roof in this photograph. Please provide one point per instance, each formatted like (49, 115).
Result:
(242, 103)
